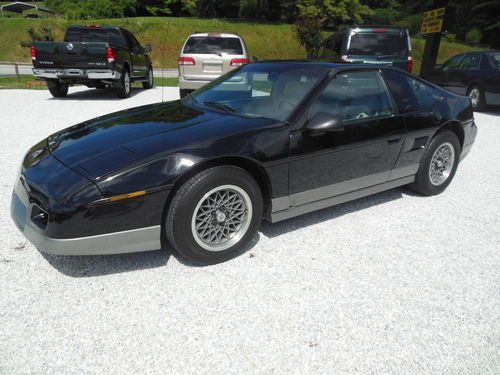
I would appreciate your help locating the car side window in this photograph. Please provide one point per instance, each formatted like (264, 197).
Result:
(453, 63)
(115, 38)
(410, 93)
(353, 96)
(134, 44)
(470, 62)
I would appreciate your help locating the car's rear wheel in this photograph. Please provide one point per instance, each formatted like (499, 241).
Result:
(184, 92)
(149, 83)
(123, 89)
(214, 215)
(58, 89)
(476, 96)
(439, 164)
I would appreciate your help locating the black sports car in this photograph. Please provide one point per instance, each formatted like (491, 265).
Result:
(476, 74)
(270, 140)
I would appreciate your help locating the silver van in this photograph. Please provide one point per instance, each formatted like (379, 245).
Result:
(206, 56)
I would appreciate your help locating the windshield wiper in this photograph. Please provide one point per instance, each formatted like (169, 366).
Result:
(219, 105)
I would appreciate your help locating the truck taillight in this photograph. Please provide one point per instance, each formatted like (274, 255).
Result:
(409, 64)
(33, 53)
(185, 61)
(110, 54)
(239, 62)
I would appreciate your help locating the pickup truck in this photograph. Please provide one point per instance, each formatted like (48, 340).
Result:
(94, 56)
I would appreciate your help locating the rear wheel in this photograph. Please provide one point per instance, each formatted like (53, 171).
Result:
(184, 92)
(123, 89)
(438, 165)
(476, 96)
(58, 89)
(214, 215)
(149, 83)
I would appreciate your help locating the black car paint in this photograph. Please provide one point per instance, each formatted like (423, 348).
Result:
(460, 81)
(156, 147)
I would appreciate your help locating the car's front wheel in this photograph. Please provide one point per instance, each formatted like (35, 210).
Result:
(58, 89)
(476, 96)
(438, 165)
(214, 215)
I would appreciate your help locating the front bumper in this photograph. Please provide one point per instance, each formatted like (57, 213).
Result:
(129, 241)
(99, 74)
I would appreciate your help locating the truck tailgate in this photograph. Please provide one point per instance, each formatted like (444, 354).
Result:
(80, 55)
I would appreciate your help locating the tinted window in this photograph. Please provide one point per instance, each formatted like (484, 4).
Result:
(86, 35)
(213, 45)
(410, 93)
(453, 63)
(470, 62)
(495, 60)
(353, 96)
(115, 38)
(391, 44)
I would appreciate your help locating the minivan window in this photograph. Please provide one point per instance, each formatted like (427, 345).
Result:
(213, 45)
(378, 44)
(86, 35)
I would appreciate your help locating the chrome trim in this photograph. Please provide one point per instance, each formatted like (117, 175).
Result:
(317, 205)
(78, 73)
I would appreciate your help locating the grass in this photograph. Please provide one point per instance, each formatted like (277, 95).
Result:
(29, 82)
(266, 40)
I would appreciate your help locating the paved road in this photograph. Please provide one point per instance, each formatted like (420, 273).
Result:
(393, 283)
(9, 70)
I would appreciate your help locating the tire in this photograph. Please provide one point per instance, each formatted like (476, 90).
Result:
(149, 84)
(476, 95)
(184, 92)
(123, 89)
(195, 211)
(445, 142)
(58, 89)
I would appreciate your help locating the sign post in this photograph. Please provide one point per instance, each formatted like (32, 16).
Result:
(432, 26)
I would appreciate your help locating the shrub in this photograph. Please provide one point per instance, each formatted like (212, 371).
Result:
(449, 37)
(473, 36)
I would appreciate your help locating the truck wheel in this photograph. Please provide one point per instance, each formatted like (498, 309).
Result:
(58, 89)
(149, 83)
(123, 89)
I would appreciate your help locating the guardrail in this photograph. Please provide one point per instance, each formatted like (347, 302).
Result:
(16, 67)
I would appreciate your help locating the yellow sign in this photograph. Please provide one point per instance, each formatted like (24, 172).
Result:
(432, 21)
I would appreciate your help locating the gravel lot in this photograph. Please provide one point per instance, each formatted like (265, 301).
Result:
(393, 283)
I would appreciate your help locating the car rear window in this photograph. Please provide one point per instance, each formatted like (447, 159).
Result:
(378, 44)
(86, 35)
(213, 45)
(495, 58)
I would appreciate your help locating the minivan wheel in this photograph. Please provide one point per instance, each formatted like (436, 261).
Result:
(58, 89)
(149, 83)
(214, 215)
(438, 165)
(123, 89)
(184, 92)
(476, 96)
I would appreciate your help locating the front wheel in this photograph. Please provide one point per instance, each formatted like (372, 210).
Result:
(149, 83)
(214, 215)
(123, 89)
(476, 96)
(58, 89)
(438, 165)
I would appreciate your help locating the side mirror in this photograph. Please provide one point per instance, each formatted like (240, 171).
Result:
(323, 122)
(147, 48)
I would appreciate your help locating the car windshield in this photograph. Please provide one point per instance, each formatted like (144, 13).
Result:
(379, 44)
(213, 45)
(271, 90)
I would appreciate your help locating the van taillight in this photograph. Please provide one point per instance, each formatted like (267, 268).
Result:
(33, 53)
(110, 54)
(409, 64)
(239, 62)
(186, 61)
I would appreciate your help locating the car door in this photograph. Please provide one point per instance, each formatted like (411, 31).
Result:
(138, 57)
(468, 72)
(361, 155)
(448, 75)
